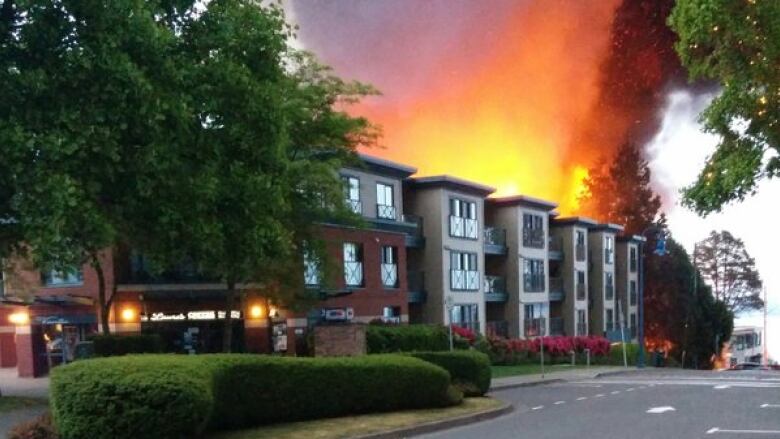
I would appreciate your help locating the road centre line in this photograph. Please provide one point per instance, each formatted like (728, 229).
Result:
(598, 395)
(714, 430)
(538, 407)
(614, 392)
(582, 398)
(559, 402)
(766, 406)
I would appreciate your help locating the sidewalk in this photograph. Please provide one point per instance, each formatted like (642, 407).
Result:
(11, 384)
(557, 377)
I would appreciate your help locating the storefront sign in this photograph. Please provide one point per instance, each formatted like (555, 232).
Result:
(338, 314)
(191, 315)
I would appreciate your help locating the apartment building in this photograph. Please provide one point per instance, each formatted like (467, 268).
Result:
(525, 224)
(627, 275)
(602, 306)
(453, 257)
(569, 266)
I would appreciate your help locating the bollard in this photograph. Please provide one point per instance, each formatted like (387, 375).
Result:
(573, 359)
(587, 358)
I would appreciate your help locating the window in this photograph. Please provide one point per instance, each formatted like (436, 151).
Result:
(463, 219)
(311, 268)
(391, 314)
(68, 277)
(609, 249)
(533, 275)
(389, 266)
(632, 259)
(632, 324)
(582, 327)
(535, 319)
(353, 264)
(385, 208)
(465, 316)
(463, 271)
(609, 286)
(580, 285)
(579, 246)
(632, 293)
(352, 194)
(533, 230)
(610, 323)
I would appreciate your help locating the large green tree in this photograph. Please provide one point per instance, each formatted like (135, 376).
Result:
(730, 270)
(88, 90)
(736, 44)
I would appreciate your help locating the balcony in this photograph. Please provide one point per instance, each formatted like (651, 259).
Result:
(416, 285)
(463, 280)
(497, 328)
(461, 227)
(556, 326)
(535, 327)
(555, 248)
(579, 252)
(495, 241)
(389, 273)
(386, 212)
(495, 289)
(533, 238)
(557, 292)
(353, 274)
(408, 224)
(354, 206)
(581, 292)
(415, 238)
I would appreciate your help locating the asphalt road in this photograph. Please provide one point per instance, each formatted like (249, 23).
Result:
(663, 405)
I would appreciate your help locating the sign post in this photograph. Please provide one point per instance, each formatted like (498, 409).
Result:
(449, 304)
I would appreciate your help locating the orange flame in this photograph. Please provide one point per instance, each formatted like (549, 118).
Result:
(512, 125)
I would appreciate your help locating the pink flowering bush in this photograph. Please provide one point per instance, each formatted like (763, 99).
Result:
(556, 348)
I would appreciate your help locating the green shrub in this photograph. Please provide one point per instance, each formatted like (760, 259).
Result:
(149, 396)
(407, 338)
(615, 357)
(469, 370)
(252, 391)
(175, 396)
(114, 345)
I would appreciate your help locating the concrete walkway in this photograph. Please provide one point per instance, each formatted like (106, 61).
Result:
(11, 384)
(557, 376)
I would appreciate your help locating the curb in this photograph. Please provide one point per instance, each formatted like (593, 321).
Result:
(443, 424)
(527, 384)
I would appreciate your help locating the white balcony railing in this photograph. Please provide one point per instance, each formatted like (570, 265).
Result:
(463, 227)
(353, 274)
(355, 206)
(384, 211)
(389, 275)
(464, 280)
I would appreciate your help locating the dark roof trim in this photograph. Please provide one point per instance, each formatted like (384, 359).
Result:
(524, 200)
(608, 227)
(380, 166)
(631, 238)
(453, 183)
(582, 221)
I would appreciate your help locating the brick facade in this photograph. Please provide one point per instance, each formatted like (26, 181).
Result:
(339, 340)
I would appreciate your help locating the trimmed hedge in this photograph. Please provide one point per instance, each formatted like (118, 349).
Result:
(115, 345)
(407, 338)
(172, 396)
(155, 396)
(469, 370)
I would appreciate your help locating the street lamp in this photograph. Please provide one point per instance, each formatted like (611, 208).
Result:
(449, 303)
(660, 250)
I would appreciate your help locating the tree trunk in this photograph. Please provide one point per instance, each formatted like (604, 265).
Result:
(104, 306)
(227, 333)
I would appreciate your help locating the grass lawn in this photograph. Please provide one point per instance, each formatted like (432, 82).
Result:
(530, 369)
(359, 425)
(10, 403)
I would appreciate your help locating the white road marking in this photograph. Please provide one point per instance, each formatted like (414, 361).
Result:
(538, 407)
(714, 430)
(756, 384)
(582, 398)
(766, 406)
(614, 392)
(663, 409)
(599, 395)
(722, 386)
(630, 389)
(559, 402)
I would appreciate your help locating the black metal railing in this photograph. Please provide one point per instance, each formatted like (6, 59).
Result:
(415, 281)
(555, 244)
(461, 227)
(495, 236)
(535, 327)
(497, 328)
(464, 280)
(354, 206)
(582, 328)
(384, 211)
(389, 274)
(556, 326)
(533, 283)
(632, 298)
(581, 291)
(495, 284)
(533, 238)
(556, 285)
(353, 274)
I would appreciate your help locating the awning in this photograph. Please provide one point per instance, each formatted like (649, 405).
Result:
(78, 319)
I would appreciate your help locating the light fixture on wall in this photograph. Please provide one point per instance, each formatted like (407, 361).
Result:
(256, 311)
(19, 318)
(128, 314)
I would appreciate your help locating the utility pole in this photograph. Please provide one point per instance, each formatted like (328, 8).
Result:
(766, 350)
